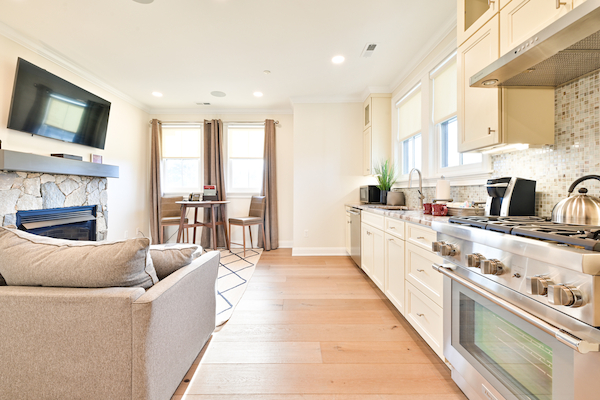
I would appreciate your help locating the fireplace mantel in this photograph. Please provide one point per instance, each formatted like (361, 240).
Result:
(27, 162)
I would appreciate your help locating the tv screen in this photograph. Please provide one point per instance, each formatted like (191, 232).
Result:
(46, 105)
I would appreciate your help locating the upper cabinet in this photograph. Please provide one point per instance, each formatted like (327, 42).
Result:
(577, 2)
(521, 19)
(377, 130)
(472, 15)
(491, 117)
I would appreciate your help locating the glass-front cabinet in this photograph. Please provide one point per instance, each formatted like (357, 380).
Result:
(519, 360)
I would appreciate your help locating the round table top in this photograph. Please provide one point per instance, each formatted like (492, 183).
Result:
(189, 203)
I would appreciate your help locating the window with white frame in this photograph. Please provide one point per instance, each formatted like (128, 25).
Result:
(409, 130)
(181, 158)
(245, 148)
(444, 91)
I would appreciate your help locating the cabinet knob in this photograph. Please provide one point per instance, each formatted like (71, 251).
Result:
(420, 315)
(420, 270)
(490, 2)
(560, 3)
(490, 130)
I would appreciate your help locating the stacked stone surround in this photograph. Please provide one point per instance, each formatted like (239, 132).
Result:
(21, 191)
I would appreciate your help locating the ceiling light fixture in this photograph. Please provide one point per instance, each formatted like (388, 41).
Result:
(143, 1)
(258, 94)
(157, 94)
(266, 72)
(338, 59)
(216, 93)
(490, 82)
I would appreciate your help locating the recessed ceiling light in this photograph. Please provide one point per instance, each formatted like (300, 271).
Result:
(338, 59)
(266, 72)
(157, 94)
(216, 93)
(143, 1)
(258, 94)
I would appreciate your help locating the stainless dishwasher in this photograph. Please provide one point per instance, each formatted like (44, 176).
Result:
(355, 234)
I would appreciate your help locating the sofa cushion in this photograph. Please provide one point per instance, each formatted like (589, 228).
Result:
(168, 258)
(32, 260)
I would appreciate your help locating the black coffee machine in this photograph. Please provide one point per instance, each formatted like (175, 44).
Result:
(510, 196)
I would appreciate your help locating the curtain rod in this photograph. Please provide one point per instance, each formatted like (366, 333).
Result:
(202, 122)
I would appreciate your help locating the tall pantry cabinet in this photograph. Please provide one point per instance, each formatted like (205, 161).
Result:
(377, 128)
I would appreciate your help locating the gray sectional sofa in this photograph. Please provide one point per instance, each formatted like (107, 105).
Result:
(106, 343)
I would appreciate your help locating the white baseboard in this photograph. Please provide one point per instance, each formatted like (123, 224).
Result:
(286, 244)
(319, 251)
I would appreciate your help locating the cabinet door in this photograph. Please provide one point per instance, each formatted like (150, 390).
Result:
(419, 272)
(366, 253)
(394, 266)
(368, 112)
(367, 152)
(378, 275)
(472, 15)
(521, 19)
(348, 234)
(478, 108)
(577, 2)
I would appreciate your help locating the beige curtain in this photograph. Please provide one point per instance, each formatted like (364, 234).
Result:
(155, 189)
(213, 175)
(269, 190)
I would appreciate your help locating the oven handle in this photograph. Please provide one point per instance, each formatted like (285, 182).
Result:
(561, 335)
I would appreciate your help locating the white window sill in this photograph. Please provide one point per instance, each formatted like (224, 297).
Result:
(474, 179)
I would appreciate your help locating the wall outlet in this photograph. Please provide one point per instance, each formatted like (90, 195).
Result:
(306, 233)
(126, 234)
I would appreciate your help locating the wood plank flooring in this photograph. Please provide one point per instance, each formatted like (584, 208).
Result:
(316, 328)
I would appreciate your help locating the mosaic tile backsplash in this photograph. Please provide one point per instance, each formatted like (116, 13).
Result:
(575, 153)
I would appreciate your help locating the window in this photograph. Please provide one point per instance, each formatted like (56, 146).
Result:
(245, 147)
(449, 155)
(181, 158)
(411, 154)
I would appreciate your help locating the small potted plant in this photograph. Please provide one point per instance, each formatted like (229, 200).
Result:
(386, 177)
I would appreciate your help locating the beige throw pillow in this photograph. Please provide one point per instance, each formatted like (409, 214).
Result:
(32, 260)
(168, 258)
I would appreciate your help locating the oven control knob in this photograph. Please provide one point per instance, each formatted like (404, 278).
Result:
(474, 260)
(491, 267)
(437, 246)
(538, 285)
(565, 295)
(448, 249)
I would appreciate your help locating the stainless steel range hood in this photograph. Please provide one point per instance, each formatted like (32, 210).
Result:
(566, 50)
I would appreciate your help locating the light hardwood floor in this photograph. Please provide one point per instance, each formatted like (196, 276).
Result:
(316, 328)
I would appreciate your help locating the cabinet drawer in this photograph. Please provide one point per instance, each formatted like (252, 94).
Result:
(421, 275)
(394, 227)
(374, 220)
(420, 235)
(426, 317)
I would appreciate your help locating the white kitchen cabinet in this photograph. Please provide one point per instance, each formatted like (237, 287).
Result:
(366, 249)
(426, 317)
(521, 19)
(472, 15)
(421, 275)
(491, 117)
(578, 2)
(372, 254)
(394, 267)
(377, 130)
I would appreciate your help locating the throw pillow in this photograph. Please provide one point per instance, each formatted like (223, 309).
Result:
(168, 258)
(32, 260)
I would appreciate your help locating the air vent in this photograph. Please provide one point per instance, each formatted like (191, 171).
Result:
(203, 104)
(368, 50)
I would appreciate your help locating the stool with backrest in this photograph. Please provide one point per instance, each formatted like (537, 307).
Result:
(255, 216)
(170, 215)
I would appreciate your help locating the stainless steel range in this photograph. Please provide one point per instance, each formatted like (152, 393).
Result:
(521, 307)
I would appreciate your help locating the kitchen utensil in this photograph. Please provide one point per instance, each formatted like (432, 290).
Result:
(439, 210)
(395, 199)
(579, 209)
(427, 208)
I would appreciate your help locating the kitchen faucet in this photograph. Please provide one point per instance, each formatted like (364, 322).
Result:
(421, 197)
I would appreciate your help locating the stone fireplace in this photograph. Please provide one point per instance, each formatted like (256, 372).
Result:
(23, 191)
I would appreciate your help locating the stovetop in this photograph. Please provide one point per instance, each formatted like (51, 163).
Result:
(580, 236)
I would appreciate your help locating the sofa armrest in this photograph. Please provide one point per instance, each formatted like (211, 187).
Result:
(65, 343)
(171, 323)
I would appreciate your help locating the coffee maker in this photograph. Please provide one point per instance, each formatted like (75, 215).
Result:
(510, 196)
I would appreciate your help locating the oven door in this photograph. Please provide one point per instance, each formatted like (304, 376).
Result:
(519, 360)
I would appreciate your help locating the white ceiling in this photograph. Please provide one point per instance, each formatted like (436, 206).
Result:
(188, 48)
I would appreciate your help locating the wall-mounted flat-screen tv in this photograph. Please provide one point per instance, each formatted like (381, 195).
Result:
(46, 105)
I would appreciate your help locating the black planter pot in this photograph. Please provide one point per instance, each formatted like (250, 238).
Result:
(383, 197)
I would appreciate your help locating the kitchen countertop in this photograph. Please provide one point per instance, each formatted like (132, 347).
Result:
(413, 216)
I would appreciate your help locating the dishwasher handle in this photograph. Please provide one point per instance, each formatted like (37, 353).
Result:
(582, 346)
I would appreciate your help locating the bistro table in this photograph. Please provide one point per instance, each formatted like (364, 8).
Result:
(214, 206)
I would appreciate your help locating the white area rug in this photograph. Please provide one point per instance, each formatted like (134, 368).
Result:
(235, 272)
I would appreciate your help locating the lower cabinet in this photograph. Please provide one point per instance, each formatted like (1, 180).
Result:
(372, 254)
(394, 266)
(426, 317)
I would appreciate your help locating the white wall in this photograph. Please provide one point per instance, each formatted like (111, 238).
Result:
(239, 205)
(328, 158)
(127, 144)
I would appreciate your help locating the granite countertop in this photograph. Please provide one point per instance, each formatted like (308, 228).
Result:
(415, 216)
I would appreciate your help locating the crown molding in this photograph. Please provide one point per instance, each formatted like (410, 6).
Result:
(375, 89)
(61, 60)
(325, 99)
(428, 48)
(206, 110)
